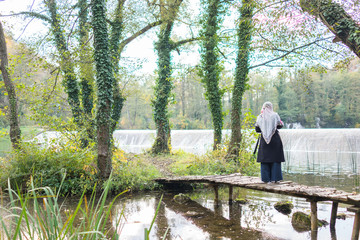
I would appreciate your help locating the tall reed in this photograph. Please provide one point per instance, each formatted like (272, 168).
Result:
(45, 220)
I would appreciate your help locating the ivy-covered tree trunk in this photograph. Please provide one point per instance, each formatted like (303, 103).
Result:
(86, 67)
(334, 17)
(105, 84)
(241, 75)
(67, 66)
(86, 70)
(210, 66)
(164, 82)
(15, 133)
(162, 92)
(115, 53)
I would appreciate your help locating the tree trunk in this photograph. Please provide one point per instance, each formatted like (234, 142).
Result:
(86, 75)
(105, 83)
(67, 66)
(15, 133)
(211, 68)
(115, 53)
(334, 17)
(164, 82)
(241, 76)
(162, 91)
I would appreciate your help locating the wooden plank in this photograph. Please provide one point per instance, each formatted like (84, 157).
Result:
(255, 183)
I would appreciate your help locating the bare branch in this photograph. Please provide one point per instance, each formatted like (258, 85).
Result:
(47, 98)
(287, 53)
(182, 42)
(138, 33)
(270, 5)
(30, 14)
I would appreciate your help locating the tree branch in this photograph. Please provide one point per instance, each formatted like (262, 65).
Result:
(335, 18)
(30, 14)
(138, 33)
(182, 42)
(287, 53)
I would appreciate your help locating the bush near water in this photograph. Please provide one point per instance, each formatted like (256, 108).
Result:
(46, 166)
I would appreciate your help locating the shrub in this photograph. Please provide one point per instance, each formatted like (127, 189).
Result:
(216, 162)
(132, 173)
(47, 165)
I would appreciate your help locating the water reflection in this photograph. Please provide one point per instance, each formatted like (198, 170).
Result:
(203, 218)
(348, 183)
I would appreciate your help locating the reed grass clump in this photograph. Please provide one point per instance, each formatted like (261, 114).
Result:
(38, 214)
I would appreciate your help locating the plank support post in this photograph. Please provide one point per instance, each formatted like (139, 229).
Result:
(230, 194)
(314, 219)
(333, 214)
(356, 227)
(216, 189)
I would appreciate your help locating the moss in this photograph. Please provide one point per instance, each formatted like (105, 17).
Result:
(241, 200)
(181, 198)
(284, 207)
(341, 216)
(302, 222)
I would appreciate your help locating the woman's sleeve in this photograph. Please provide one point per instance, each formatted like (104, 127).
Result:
(280, 123)
(257, 129)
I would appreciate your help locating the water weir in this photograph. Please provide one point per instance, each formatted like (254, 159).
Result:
(322, 151)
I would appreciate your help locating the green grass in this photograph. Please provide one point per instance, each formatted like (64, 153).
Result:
(27, 133)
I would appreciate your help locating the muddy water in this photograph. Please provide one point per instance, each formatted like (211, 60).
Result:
(202, 218)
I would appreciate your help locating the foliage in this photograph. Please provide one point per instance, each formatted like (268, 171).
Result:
(215, 162)
(132, 173)
(46, 166)
(5, 144)
(210, 64)
(313, 99)
(209, 164)
(147, 231)
(15, 133)
(26, 217)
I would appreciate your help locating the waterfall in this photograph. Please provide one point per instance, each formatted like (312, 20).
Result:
(192, 141)
(335, 151)
(321, 151)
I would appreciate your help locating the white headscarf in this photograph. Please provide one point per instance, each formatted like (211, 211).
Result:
(267, 121)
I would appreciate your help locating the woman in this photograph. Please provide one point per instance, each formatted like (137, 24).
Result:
(271, 153)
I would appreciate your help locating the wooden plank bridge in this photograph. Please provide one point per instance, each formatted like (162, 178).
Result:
(313, 194)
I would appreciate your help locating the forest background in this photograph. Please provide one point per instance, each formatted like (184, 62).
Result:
(318, 94)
